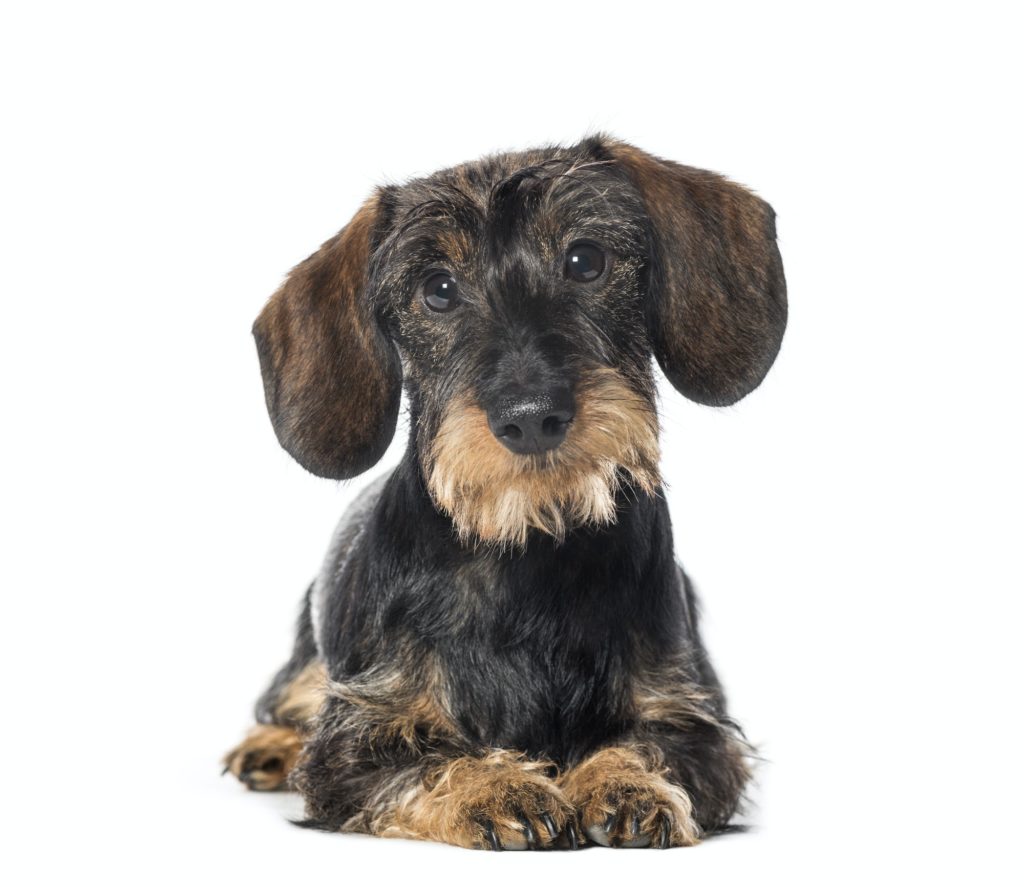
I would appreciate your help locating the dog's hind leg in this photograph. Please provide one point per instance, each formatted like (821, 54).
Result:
(286, 710)
(284, 715)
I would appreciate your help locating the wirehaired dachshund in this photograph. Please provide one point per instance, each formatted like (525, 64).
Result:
(500, 650)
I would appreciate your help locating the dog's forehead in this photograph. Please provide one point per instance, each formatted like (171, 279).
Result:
(479, 178)
(497, 196)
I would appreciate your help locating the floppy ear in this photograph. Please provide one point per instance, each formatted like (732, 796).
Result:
(717, 293)
(332, 379)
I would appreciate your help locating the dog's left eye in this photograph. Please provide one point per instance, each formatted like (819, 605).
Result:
(440, 292)
(584, 262)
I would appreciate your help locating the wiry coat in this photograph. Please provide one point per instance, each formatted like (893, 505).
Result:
(500, 649)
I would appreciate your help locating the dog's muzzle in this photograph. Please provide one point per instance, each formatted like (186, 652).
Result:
(533, 423)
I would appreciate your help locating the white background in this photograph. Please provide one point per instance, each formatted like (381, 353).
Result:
(854, 526)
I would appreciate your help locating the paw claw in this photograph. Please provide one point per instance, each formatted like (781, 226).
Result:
(492, 835)
(531, 835)
(665, 832)
(571, 834)
(549, 824)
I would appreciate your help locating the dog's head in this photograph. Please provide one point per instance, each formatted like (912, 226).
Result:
(521, 298)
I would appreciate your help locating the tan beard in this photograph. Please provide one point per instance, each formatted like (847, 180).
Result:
(497, 496)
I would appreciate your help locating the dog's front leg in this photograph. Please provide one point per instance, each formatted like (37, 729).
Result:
(400, 774)
(625, 797)
(679, 773)
(496, 800)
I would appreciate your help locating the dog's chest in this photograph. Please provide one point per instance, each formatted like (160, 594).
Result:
(539, 659)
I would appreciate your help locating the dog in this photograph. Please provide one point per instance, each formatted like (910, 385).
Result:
(500, 650)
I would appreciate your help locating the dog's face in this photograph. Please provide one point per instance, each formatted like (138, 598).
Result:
(521, 297)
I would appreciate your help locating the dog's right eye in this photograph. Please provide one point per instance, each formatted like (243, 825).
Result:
(584, 262)
(440, 292)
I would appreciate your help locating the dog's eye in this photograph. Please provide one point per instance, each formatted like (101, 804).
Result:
(440, 292)
(584, 262)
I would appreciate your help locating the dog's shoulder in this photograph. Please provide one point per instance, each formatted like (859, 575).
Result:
(350, 527)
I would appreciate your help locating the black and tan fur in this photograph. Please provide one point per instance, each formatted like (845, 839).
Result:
(500, 650)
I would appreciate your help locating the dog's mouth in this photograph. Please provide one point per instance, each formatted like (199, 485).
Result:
(498, 494)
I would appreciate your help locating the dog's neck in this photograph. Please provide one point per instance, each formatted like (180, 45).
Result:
(635, 508)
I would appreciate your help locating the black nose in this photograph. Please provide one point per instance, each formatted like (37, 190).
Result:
(532, 423)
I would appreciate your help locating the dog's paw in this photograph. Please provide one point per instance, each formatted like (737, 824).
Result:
(499, 802)
(621, 802)
(638, 818)
(263, 760)
(518, 816)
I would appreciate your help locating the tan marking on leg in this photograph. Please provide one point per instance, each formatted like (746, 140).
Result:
(396, 702)
(667, 697)
(302, 699)
(268, 754)
(624, 799)
(458, 800)
(263, 760)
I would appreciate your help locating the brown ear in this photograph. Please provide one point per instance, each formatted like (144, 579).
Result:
(332, 379)
(717, 308)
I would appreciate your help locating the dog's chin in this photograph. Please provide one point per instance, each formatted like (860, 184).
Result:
(497, 497)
